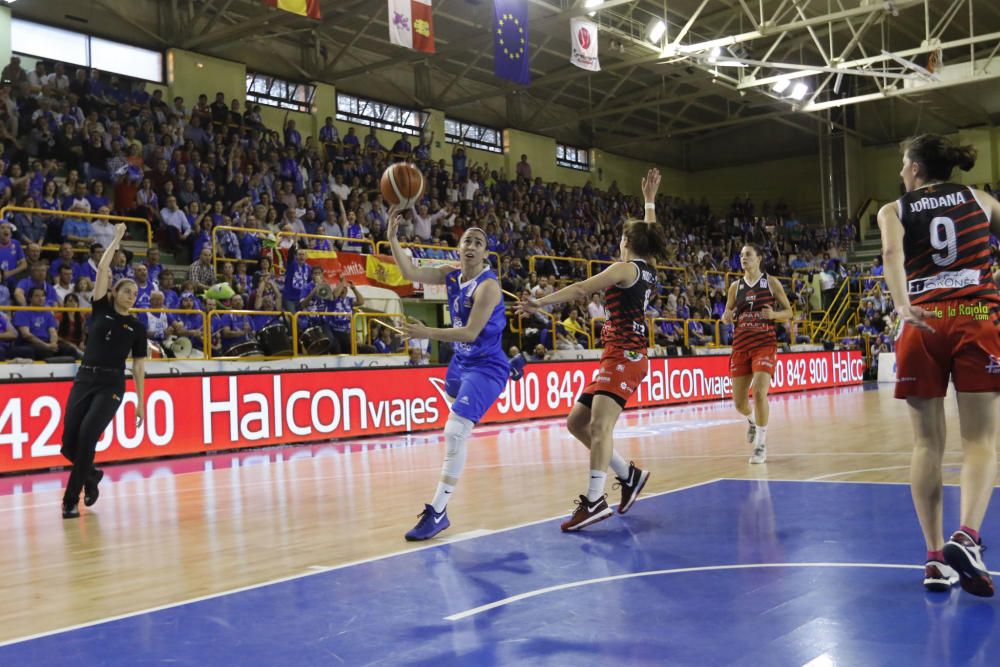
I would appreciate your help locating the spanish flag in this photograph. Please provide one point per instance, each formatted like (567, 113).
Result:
(382, 269)
(308, 8)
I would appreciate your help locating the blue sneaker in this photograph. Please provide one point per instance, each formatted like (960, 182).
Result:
(431, 523)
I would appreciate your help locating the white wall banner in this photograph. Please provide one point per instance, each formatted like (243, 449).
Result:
(583, 35)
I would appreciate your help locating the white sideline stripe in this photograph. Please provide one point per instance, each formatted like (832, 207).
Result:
(314, 571)
(653, 573)
(825, 481)
(821, 478)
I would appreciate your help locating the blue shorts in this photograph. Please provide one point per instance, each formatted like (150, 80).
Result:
(475, 389)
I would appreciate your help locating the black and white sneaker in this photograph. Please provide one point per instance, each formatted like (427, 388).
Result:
(965, 555)
(631, 487)
(587, 513)
(939, 577)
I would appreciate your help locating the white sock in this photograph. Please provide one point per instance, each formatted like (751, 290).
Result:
(442, 497)
(619, 465)
(758, 440)
(596, 488)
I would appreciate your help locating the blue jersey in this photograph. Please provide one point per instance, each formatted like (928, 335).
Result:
(487, 346)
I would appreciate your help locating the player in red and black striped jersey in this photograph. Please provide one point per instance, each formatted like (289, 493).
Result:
(629, 283)
(750, 307)
(935, 243)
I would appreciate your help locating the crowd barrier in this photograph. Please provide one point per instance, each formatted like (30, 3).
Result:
(211, 413)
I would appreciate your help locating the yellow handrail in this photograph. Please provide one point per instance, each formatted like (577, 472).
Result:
(244, 230)
(311, 313)
(365, 317)
(532, 259)
(80, 214)
(345, 239)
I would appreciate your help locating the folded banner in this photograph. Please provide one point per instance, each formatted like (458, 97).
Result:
(583, 35)
(308, 8)
(510, 40)
(411, 24)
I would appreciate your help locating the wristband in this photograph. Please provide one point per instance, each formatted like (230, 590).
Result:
(650, 207)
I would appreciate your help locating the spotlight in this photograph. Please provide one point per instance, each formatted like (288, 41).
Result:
(655, 30)
(780, 85)
(714, 54)
(799, 91)
(592, 4)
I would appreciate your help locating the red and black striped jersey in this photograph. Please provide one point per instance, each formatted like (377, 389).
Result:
(751, 329)
(946, 244)
(626, 324)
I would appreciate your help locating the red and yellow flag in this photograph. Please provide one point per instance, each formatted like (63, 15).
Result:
(308, 8)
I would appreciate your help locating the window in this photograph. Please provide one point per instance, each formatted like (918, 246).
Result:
(573, 158)
(272, 92)
(379, 114)
(47, 43)
(472, 135)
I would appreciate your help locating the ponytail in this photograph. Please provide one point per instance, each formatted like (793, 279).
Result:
(938, 155)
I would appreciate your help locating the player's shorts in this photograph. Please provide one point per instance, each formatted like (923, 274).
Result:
(619, 376)
(965, 346)
(754, 360)
(475, 388)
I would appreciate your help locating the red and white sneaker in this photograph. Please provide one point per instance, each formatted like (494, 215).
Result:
(587, 513)
(631, 486)
(965, 555)
(939, 577)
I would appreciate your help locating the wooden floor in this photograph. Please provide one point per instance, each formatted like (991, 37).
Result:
(158, 537)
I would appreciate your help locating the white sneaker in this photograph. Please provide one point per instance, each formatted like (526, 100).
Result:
(759, 454)
(965, 555)
(939, 576)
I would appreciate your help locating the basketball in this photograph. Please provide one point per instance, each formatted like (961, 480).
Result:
(401, 185)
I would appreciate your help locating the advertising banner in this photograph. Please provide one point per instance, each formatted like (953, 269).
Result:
(212, 413)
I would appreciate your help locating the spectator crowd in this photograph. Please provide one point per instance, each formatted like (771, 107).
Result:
(210, 176)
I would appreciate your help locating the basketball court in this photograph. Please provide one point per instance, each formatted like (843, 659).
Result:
(295, 555)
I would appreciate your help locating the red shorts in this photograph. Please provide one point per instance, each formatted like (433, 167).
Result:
(620, 374)
(965, 346)
(754, 360)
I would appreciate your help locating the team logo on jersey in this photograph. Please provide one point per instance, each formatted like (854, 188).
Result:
(633, 356)
(620, 367)
(763, 283)
(944, 280)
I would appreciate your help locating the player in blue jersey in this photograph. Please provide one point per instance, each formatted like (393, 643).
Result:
(478, 371)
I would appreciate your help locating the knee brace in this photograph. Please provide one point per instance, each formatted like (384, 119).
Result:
(456, 439)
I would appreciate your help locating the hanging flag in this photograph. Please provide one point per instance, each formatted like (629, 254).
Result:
(308, 8)
(411, 24)
(383, 269)
(510, 40)
(583, 35)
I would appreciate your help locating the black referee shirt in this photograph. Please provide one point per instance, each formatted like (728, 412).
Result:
(112, 336)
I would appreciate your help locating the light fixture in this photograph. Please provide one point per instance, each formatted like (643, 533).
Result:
(714, 54)
(592, 4)
(799, 91)
(655, 30)
(780, 85)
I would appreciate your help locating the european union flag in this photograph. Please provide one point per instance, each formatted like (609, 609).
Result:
(510, 40)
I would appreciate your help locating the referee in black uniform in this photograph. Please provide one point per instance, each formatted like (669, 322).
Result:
(100, 383)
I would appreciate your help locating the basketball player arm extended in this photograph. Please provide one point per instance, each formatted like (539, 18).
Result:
(894, 269)
(102, 282)
(410, 271)
(485, 299)
(619, 273)
(650, 184)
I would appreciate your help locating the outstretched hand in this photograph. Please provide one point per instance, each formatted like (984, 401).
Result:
(392, 230)
(650, 184)
(527, 306)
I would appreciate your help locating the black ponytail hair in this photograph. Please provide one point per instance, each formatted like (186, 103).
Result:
(938, 155)
(646, 239)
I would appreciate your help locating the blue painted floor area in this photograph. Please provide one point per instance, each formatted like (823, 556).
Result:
(821, 601)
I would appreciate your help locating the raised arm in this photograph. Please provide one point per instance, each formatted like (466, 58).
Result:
(103, 281)
(650, 184)
(619, 272)
(410, 271)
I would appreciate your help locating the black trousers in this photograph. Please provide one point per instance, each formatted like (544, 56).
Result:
(93, 402)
